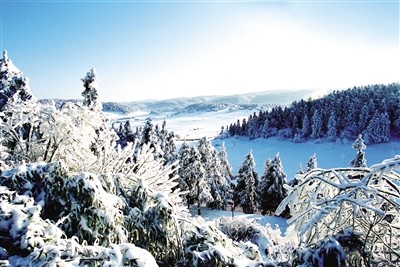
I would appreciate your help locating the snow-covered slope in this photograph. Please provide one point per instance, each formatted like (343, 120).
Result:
(194, 125)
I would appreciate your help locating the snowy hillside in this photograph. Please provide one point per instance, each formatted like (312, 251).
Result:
(207, 103)
(193, 126)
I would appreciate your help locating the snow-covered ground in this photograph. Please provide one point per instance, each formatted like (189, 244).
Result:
(329, 155)
(188, 126)
(192, 126)
(214, 215)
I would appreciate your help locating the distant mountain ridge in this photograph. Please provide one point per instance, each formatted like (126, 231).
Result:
(262, 100)
(211, 103)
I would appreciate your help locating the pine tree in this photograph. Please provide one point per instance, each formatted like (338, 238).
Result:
(167, 144)
(306, 127)
(14, 86)
(316, 126)
(213, 171)
(193, 179)
(150, 136)
(312, 163)
(185, 180)
(378, 130)
(271, 188)
(90, 94)
(360, 160)
(245, 195)
(226, 184)
(332, 127)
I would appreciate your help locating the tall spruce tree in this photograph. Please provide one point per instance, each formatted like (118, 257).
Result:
(226, 184)
(193, 179)
(359, 160)
(271, 188)
(332, 127)
(316, 125)
(90, 94)
(219, 184)
(378, 130)
(14, 87)
(245, 194)
(312, 163)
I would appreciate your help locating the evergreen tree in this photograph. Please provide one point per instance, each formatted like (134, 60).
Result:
(14, 86)
(226, 184)
(193, 179)
(332, 127)
(167, 143)
(306, 127)
(186, 180)
(360, 160)
(316, 126)
(378, 130)
(312, 163)
(271, 188)
(90, 94)
(150, 136)
(245, 195)
(365, 117)
(218, 183)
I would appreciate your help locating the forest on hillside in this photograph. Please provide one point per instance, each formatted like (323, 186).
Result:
(373, 111)
(76, 190)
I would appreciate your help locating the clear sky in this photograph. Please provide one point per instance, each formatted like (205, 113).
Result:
(167, 49)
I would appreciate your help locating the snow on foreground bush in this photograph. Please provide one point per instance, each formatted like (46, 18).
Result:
(32, 241)
(357, 207)
(44, 213)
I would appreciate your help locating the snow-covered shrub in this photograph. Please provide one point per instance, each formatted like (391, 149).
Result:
(328, 252)
(239, 229)
(271, 245)
(21, 228)
(205, 245)
(152, 224)
(364, 201)
(90, 212)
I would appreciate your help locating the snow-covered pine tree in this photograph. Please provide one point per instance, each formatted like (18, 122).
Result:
(150, 137)
(312, 163)
(378, 130)
(14, 86)
(226, 172)
(245, 193)
(332, 127)
(360, 160)
(125, 134)
(316, 125)
(306, 127)
(271, 186)
(185, 182)
(90, 94)
(193, 180)
(168, 146)
(365, 115)
(218, 183)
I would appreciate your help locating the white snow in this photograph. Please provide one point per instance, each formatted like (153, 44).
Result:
(192, 126)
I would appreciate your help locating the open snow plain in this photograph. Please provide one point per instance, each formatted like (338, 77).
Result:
(194, 125)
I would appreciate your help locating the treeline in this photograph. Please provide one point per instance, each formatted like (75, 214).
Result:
(373, 111)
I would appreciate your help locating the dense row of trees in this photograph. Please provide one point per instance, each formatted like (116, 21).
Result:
(373, 111)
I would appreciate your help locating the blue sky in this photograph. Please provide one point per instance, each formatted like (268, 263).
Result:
(167, 49)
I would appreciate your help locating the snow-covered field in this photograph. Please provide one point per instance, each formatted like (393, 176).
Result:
(214, 215)
(192, 126)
